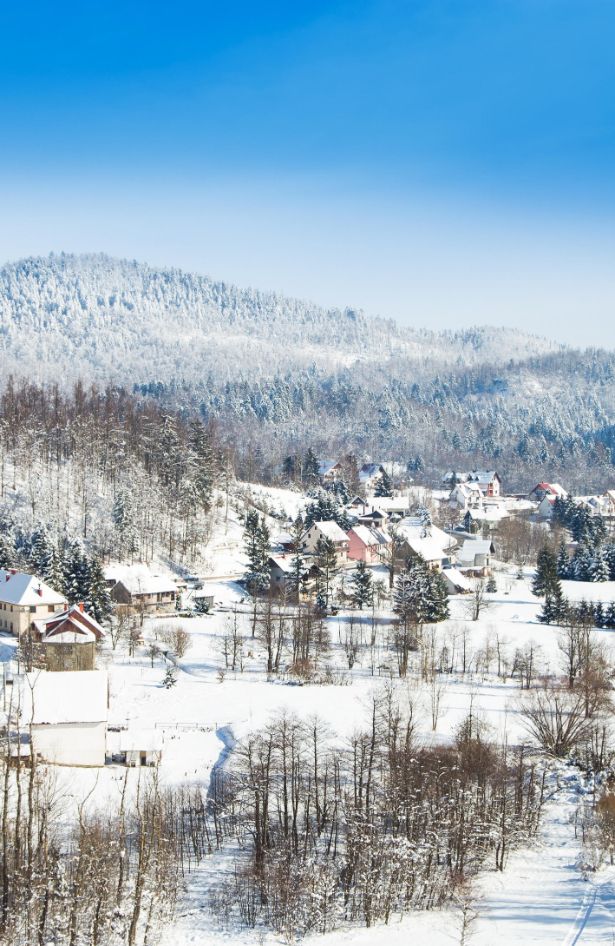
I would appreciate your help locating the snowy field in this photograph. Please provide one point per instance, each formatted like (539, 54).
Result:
(542, 896)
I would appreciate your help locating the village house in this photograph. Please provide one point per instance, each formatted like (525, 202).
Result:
(145, 592)
(476, 554)
(547, 489)
(68, 639)
(433, 545)
(330, 530)
(138, 747)
(66, 715)
(23, 599)
(367, 545)
(370, 474)
(488, 480)
(466, 496)
(329, 471)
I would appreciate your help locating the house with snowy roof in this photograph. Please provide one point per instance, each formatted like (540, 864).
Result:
(145, 591)
(476, 554)
(367, 545)
(489, 481)
(432, 544)
(370, 474)
(65, 715)
(329, 471)
(68, 639)
(327, 529)
(24, 599)
(466, 496)
(547, 489)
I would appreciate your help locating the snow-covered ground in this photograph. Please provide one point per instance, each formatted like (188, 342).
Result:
(542, 897)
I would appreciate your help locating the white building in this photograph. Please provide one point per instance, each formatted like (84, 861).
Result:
(327, 529)
(66, 715)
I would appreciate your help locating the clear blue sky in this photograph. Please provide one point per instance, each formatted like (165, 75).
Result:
(446, 162)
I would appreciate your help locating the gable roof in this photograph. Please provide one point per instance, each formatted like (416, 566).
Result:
(473, 547)
(330, 529)
(72, 625)
(27, 590)
(365, 535)
(430, 542)
(483, 476)
(326, 466)
(147, 584)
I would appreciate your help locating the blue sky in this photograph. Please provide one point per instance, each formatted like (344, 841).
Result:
(446, 162)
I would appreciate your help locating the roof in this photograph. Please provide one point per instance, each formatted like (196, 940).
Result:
(430, 542)
(69, 626)
(284, 564)
(369, 470)
(67, 696)
(325, 466)
(483, 476)
(365, 535)
(23, 589)
(147, 584)
(473, 547)
(457, 579)
(330, 529)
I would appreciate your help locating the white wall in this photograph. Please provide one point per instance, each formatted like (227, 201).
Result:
(71, 743)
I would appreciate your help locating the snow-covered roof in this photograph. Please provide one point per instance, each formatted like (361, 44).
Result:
(365, 535)
(326, 466)
(26, 590)
(68, 626)
(393, 503)
(369, 470)
(428, 541)
(473, 547)
(483, 476)
(330, 529)
(284, 564)
(148, 584)
(78, 696)
(457, 579)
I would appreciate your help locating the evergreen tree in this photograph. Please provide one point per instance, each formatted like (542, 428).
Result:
(563, 561)
(384, 487)
(362, 586)
(599, 567)
(324, 508)
(7, 549)
(97, 601)
(546, 572)
(298, 568)
(256, 545)
(326, 560)
(311, 468)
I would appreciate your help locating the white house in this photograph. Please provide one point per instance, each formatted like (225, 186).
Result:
(426, 540)
(139, 747)
(466, 496)
(327, 529)
(25, 598)
(488, 480)
(476, 553)
(66, 715)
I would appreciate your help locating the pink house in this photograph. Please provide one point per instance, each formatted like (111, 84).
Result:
(367, 545)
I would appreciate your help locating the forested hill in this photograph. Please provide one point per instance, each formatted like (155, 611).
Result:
(278, 374)
(119, 319)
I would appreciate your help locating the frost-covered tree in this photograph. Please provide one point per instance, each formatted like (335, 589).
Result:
(362, 593)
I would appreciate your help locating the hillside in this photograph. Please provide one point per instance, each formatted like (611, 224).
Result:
(280, 374)
(121, 319)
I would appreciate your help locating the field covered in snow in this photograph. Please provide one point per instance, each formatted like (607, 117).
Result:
(542, 897)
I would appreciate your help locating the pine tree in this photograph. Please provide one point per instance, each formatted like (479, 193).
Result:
(563, 561)
(599, 567)
(311, 468)
(7, 549)
(326, 561)
(362, 586)
(298, 569)
(546, 572)
(97, 600)
(256, 544)
(384, 487)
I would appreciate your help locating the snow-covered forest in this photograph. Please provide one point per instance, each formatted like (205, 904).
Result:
(272, 368)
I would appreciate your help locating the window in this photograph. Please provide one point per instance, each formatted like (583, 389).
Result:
(32, 609)
(50, 608)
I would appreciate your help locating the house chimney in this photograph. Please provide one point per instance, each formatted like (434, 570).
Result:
(39, 591)
(80, 606)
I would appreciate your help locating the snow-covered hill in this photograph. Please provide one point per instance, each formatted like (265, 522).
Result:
(120, 320)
